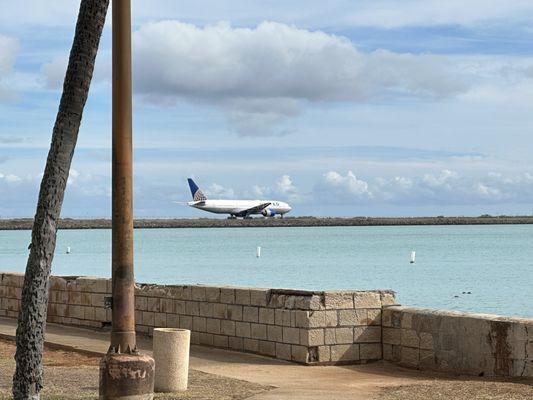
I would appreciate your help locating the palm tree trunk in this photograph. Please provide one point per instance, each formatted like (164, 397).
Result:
(28, 378)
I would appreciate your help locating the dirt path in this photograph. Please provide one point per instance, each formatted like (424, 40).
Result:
(74, 376)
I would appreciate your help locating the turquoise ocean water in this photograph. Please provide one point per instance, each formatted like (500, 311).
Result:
(494, 263)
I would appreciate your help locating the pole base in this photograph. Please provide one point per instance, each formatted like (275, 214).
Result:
(127, 377)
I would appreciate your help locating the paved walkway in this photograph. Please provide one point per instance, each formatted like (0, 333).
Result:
(291, 381)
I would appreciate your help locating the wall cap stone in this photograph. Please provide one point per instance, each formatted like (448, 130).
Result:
(457, 314)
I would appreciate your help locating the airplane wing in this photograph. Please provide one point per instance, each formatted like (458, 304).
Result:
(253, 210)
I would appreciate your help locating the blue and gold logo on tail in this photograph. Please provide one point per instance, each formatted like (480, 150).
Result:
(196, 193)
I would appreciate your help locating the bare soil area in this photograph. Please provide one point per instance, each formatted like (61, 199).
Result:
(456, 389)
(75, 376)
(70, 375)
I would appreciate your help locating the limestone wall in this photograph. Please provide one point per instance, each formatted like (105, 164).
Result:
(475, 344)
(301, 326)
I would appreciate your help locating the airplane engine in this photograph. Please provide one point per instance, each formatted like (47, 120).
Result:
(267, 212)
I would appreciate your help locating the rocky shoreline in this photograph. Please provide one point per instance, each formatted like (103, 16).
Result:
(68, 223)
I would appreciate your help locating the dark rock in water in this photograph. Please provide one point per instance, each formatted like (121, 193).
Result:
(455, 296)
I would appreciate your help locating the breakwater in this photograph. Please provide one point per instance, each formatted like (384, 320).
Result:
(308, 327)
(70, 223)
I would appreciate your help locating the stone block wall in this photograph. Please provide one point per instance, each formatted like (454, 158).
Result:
(77, 301)
(332, 327)
(10, 294)
(301, 326)
(461, 343)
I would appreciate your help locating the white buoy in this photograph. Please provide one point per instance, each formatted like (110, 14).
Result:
(258, 252)
(68, 249)
(413, 257)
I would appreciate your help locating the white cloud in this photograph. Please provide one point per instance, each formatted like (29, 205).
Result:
(285, 185)
(262, 76)
(487, 191)
(12, 139)
(36, 12)
(336, 187)
(9, 178)
(53, 72)
(391, 14)
(376, 13)
(259, 191)
(444, 188)
(283, 189)
(87, 184)
(444, 179)
(86, 194)
(276, 61)
(72, 176)
(218, 191)
(9, 49)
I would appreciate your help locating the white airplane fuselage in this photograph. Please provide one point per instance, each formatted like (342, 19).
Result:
(236, 207)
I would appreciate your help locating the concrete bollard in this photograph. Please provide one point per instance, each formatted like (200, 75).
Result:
(171, 355)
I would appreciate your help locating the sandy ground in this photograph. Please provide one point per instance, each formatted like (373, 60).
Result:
(455, 389)
(71, 375)
(75, 376)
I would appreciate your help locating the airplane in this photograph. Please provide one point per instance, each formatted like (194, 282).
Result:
(236, 208)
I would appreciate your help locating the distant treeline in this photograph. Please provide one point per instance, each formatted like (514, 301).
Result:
(69, 223)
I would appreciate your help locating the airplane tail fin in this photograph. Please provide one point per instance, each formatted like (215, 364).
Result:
(197, 194)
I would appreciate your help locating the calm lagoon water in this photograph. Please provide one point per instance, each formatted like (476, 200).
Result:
(494, 263)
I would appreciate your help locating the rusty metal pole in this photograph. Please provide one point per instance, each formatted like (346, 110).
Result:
(124, 373)
(123, 320)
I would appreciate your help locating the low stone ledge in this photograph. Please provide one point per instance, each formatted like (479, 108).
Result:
(304, 326)
(12, 279)
(458, 342)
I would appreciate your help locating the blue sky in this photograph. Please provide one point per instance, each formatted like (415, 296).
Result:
(341, 107)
